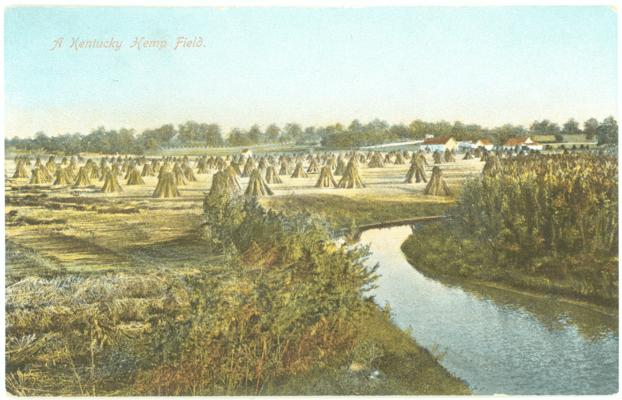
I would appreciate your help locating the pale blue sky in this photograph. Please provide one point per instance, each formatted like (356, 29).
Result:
(486, 65)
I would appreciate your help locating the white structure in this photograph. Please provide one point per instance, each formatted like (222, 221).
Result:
(484, 143)
(472, 145)
(439, 143)
(522, 143)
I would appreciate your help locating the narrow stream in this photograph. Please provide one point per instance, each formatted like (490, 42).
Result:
(497, 341)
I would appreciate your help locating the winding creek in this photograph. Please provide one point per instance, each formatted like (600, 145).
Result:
(497, 341)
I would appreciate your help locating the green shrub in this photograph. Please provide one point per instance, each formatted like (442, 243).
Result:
(285, 300)
(545, 222)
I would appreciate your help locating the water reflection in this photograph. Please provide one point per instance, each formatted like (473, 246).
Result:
(590, 322)
(498, 341)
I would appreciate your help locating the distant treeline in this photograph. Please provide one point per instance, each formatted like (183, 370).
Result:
(337, 136)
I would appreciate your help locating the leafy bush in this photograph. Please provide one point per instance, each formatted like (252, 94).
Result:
(546, 222)
(544, 205)
(284, 301)
(287, 303)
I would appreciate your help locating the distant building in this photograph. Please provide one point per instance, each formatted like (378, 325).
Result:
(522, 143)
(440, 143)
(484, 143)
(465, 145)
(471, 145)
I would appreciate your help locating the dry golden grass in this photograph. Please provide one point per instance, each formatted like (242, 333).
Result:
(80, 230)
(160, 233)
(60, 240)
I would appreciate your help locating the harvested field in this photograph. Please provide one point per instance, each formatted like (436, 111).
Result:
(84, 230)
(59, 236)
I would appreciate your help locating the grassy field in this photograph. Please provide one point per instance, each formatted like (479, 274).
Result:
(164, 236)
(428, 251)
(343, 212)
(105, 236)
(63, 232)
(83, 230)
(542, 223)
(407, 369)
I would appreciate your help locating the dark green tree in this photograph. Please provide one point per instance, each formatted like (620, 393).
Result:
(272, 133)
(608, 131)
(590, 128)
(571, 127)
